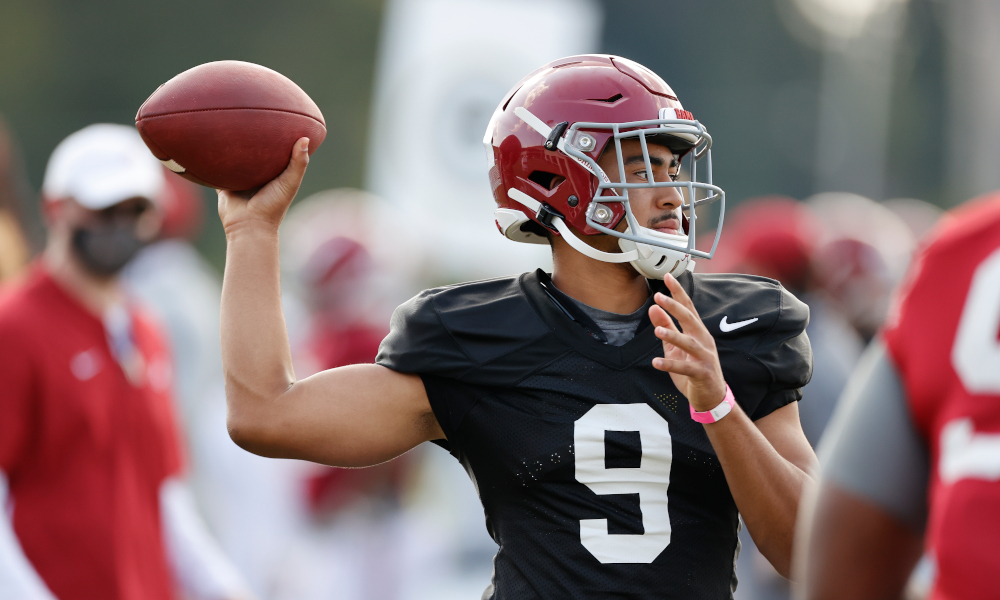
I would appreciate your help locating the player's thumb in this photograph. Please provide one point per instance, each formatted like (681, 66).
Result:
(288, 182)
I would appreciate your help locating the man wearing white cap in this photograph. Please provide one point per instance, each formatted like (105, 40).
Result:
(90, 458)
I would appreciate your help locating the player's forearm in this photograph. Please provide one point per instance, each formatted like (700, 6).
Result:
(256, 357)
(853, 548)
(765, 485)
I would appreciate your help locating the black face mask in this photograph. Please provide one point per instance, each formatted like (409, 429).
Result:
(105, 248)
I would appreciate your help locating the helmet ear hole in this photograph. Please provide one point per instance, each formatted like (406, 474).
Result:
(548, 181)
(535, 228)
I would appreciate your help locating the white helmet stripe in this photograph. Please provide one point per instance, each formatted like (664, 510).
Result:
(529, 202)
(533, 121)
(540, 126)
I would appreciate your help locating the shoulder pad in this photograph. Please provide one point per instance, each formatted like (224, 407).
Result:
(740, 310)
(759, 328)
(468, 332)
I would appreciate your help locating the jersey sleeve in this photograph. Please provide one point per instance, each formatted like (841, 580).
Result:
(464, 341)
(873, 449)
(785, 352)
(17, 390)
(766, 358)
(418, 342)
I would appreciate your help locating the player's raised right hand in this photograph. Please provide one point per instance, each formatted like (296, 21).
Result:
(690, 356)
(268, 205)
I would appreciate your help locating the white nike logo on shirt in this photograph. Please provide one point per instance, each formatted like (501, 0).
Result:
(726, 327)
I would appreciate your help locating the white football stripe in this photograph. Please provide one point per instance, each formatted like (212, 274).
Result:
(173, 166)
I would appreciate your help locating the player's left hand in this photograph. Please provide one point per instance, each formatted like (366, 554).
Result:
(690, 357)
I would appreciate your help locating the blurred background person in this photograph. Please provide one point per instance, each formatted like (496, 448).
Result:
(912, 462)
(172, 280)
(780, 238)
(350, 261)
(919, 216)
(861, 255)
(90, 456)
(250, 505)
(777, 237)
(338, 302)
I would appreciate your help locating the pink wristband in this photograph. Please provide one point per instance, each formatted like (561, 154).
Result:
(711, 416)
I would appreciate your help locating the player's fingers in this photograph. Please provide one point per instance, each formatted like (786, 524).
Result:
(223, 202)
(674, 353)
(689, 321)
(659, 317)
(682, 341)
(679, 367)
(671, 351)
(286, 185)
(678, 293)
(676, 338)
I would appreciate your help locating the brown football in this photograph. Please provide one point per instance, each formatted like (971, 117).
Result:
(229, 124)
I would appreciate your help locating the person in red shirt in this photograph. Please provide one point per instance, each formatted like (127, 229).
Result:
(335, 277)
(90, 458)
(912, 466)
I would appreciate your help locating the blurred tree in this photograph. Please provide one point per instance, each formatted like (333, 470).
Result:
(67, 64)
(739, 70)
(751, 72)
(747, 70)
(918, 144)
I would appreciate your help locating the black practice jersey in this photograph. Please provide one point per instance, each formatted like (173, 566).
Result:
(596, 482)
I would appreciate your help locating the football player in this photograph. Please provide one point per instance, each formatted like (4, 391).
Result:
(618, 416)
(914, 455)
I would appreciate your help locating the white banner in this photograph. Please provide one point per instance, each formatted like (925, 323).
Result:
(443, 67)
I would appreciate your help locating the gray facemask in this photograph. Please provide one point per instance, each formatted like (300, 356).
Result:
(105, 248)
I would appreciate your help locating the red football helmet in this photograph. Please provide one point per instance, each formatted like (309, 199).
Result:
(556, 123)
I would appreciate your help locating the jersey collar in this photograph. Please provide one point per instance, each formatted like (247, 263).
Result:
(569, 308)
(575, 329)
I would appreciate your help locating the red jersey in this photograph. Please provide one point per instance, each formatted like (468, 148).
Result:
(337, 347)
(943, 338)
(329, 488)
(85, 450)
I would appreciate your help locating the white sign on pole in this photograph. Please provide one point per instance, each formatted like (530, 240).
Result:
(443, 67)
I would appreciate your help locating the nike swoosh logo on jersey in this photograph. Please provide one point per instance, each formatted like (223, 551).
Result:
(726, 327)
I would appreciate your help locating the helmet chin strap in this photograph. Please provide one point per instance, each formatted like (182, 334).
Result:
(588, 250)
(570, 237)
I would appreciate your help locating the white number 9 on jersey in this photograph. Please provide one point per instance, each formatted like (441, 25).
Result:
(650, 480)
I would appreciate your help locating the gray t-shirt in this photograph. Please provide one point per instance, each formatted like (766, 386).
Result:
(619, 329)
